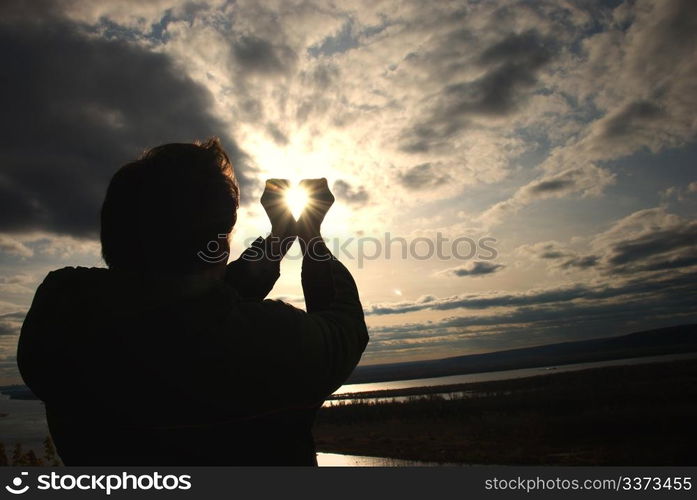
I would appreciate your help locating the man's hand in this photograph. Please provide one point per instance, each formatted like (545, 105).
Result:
(320, 200)
(283, 225)
(273, 201)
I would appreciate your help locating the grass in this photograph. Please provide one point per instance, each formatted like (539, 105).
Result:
(28, 458)
(623, 415)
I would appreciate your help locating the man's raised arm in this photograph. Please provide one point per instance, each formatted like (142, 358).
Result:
(254, 274)
(333, 331)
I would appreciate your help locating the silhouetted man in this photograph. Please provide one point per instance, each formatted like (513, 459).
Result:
(171, 355)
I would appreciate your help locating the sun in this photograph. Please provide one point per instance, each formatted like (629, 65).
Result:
(296, 198)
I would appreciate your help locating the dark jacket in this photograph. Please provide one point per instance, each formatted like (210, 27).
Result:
(182, 371)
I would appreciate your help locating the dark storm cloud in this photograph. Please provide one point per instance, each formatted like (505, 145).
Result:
(667, 248)
(10, 323)
(527, 49)
(423, 137)
(631, 117)
(551, 254)
(580, 262)
(511, 67)
(256, 55)
(584, 179)
(562, 258)
(680, 284)
(660, 245)
(552, 186)
(424, 176)
(477, 268)
(349, 194)
(75, 108)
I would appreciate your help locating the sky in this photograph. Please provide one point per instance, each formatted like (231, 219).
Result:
(530, 166)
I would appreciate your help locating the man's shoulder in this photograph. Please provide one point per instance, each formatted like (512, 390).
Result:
(70, 275)
(76, 272)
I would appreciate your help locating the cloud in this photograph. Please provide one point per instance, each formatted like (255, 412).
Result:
(256, 55)
(474, 269)
(553, 295)
(642, 72)
(580, 262)
(509, 68)
(644, 241)
(17, 284)
(12, 246)
(648, 240)
(41, 244)
(657, 243)
(16, 279)
(638, 73)
(584, 181)
(497, 92)
(559, 256)
(465, 87)
(76, 108)
(635, 306)
(626, 120)
(276, 134)
(356, 196)
(521, 326)
(425, 176)
(547, 250)
(11, 323)
(512, 66)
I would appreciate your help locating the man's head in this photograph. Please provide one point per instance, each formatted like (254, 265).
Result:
(162, 212)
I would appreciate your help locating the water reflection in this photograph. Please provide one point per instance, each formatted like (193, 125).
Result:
(397, 399)
(22, 421)
(503, 375)
(339, 460)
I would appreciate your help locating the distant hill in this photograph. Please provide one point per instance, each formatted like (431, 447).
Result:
(670, 340)
(16, 391)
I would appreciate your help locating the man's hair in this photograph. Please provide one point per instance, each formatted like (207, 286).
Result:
(161, 210)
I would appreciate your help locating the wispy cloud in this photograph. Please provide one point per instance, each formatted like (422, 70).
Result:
(474, 268)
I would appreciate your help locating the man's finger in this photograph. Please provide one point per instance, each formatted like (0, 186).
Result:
(315, 185)
(318, 190)
(277, 185)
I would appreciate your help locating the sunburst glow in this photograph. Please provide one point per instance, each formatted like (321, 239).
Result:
(296, 198)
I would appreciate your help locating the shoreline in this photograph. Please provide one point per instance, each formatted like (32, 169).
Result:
(621, 415)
